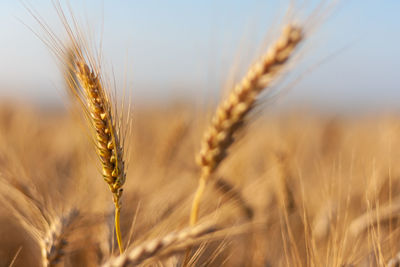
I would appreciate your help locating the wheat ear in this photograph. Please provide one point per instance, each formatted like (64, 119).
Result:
(156, 247)
(55, 241)
(230, 115)
(48, 229)
(84, 83)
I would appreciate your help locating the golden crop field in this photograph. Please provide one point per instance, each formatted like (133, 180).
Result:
(297, 190)
(107, 184)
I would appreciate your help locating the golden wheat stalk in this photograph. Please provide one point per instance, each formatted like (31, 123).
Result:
(85, 84)
(230, 115)
(155, 247)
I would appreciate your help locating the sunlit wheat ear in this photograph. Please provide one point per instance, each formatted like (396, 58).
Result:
(231, 113)
(81, 68)
(85, 84)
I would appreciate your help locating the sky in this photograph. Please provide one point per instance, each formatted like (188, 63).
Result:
(166, 50)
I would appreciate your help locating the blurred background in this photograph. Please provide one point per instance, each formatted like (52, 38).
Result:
(168, 50)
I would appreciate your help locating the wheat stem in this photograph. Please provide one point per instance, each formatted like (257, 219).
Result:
(197, 199)
(117, 226)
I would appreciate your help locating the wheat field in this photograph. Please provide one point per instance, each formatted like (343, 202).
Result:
(314, 191)
(104, 184)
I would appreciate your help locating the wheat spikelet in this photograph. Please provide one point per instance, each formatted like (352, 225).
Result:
(155, 247)
(230, 115)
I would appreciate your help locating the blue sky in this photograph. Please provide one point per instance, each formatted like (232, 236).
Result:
(172, 48)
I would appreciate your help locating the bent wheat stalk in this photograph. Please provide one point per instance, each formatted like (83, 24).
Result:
(230, 115)
(85, 84)
(155, 247)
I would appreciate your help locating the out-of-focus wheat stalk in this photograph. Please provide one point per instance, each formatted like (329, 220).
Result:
(231, 192)
(155, 247)
(55, 240)
(375, 216)
(231, 113)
